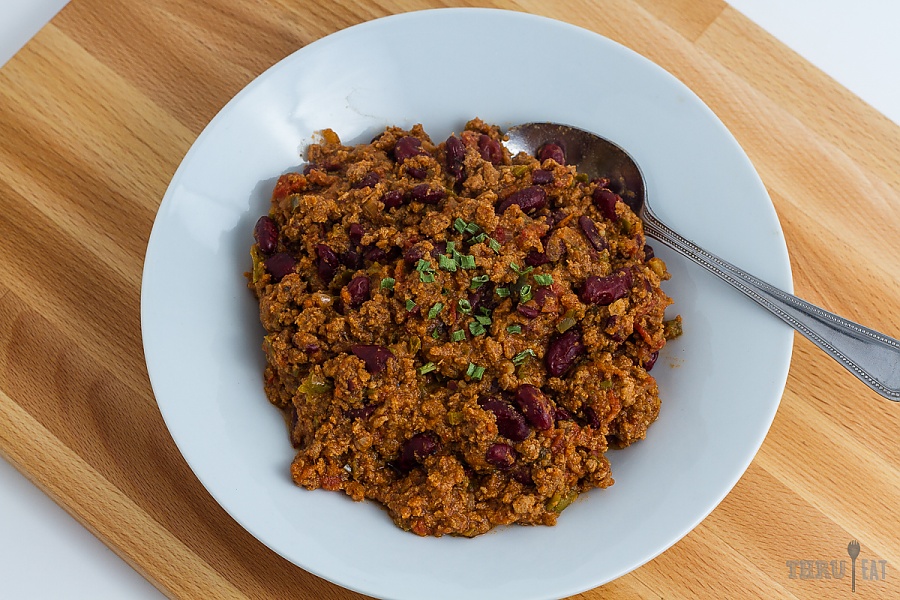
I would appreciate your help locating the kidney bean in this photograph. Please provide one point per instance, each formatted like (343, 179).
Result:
(417, 172)
(605, 200)
(563, 351)
(352, 259)
(510, 422)
(355, 233)
(308, 168)
(280, 264)
(528, 199)
(589, 228)
(541, 177)
(522, 474)
(605, 290)
(536, 259)
(375, 357)
(590, 415)
(489, 149)
(456, 155)
(407, 147)
(561, 414)
(392, 199)
(416, 449)
(373, 254)
(482, 297)
(648, 252)
(553, 151)
(328, 262)
(501, 456)
(529, 312)
(438, 248)
(363, 412)
(648, 364)
(358, 288)
(413, 254)
(542, 294)
(370, 179)
(426, 194)
(535, 406)
(266, 234)
(310, 348)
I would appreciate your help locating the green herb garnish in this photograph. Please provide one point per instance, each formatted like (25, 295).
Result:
(494, 244)
(435, 310)
(544, 279)
(464, 306)
(446, 263)
(426, 272)
(388, 283)
(410, 305)
(458, 335)
(520, 270)
(466, 261)
(522, 356)
(525, 293)
(502, 292)
(514, 329)
(483, 319)
(476, 328)
(427, 368)
(460, 225)
(479, 281)
(474, 371)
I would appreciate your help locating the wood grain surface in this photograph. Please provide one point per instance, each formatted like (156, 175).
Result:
(97, 111)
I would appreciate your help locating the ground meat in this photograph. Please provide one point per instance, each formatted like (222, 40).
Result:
(453, 332)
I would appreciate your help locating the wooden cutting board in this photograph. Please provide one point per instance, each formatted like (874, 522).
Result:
(97, 111)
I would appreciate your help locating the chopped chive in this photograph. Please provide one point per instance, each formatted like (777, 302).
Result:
(427, 368)
(544, 279)
(436, 333)
(525, 293)
(410, 305)
(460, 225)
(451, 247)
(494, 244)
(522, 356)
(435, 310)
(476, 328)
(520, 270)
(502, 292)
(447, 263)
(426, 272)
(479, 281)
(388, 283)
(458, 335)
(472, 228)
(479, 239)
(483, 319)
(514, 329)
(466, 261)
(464, 306)
(474, 371)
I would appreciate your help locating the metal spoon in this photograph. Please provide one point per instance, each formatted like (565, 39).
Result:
(873, 357)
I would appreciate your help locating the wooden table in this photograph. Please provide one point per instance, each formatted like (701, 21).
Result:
(98, 110)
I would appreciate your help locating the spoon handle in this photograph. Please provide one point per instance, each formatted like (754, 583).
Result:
(872, 356)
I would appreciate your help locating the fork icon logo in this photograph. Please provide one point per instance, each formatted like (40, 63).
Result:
(853, 551)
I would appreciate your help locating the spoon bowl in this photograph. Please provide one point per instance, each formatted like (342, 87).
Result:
(872, 357)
